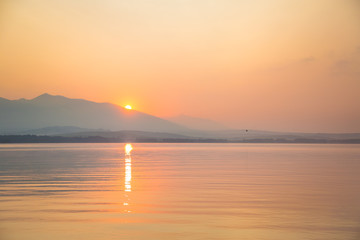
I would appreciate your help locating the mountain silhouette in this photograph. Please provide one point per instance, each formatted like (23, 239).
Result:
(48, 111)
(197, 123)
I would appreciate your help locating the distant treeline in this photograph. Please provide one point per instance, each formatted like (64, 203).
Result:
(98, 139)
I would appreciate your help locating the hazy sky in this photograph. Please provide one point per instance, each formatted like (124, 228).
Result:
(257, 64)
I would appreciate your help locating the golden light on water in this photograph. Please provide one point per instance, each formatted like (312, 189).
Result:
(128, 149)
(128, 107)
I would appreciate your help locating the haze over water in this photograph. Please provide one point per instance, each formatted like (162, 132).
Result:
(179, 191)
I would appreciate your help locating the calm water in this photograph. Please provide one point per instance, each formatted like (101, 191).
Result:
(180, 191)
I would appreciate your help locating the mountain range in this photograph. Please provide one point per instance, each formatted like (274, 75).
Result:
(76, 119)
(48, 111)
(197, 123)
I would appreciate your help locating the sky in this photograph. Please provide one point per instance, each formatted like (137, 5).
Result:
(249, 64)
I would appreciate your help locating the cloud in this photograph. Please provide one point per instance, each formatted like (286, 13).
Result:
(342, 64)
(341, 67)
(346, 67)
(307, 59)
(357, 51)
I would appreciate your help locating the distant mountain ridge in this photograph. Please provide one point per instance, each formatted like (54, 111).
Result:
(48, 110)
(56, 130)
(49, 118)
(197, 123)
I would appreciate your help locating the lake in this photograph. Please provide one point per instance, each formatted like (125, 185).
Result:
(180, 191)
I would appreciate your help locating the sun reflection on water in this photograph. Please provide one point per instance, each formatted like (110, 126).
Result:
(127, 183)
(128, 149)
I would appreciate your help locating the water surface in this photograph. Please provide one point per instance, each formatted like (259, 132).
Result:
(180, 191)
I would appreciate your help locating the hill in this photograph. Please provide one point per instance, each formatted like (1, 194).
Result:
(197, 123)
(48, 111)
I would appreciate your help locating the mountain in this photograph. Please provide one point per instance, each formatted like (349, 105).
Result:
(129, 136)
(48, 111)
(56, 130)
(197, 123)
(49, 118)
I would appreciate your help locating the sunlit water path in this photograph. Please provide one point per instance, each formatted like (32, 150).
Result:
(180, 191)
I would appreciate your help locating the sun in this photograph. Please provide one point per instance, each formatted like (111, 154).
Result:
(128, 107)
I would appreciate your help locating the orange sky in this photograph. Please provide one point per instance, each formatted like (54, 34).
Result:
(257, 64)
